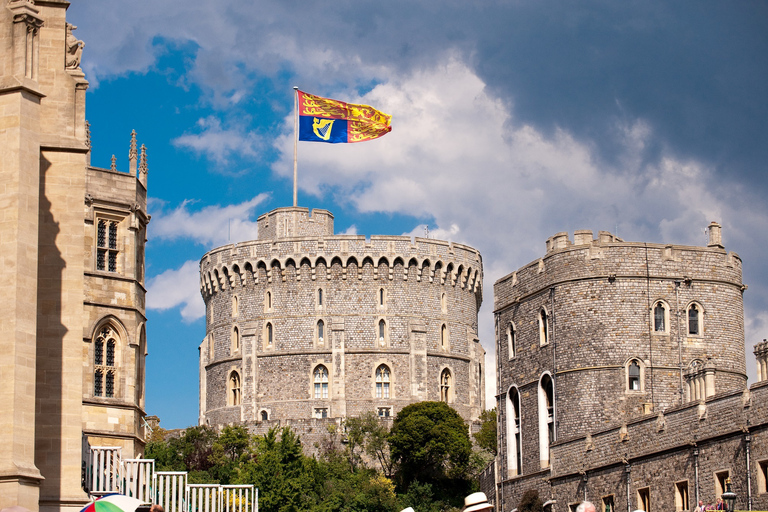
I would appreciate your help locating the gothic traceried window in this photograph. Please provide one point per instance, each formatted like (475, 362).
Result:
(382, 381)
(106, 245)
(445, 385)
(234, 397)
(321, 382)
(104, 367)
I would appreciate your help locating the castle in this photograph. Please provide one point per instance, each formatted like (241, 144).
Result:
(622, 378)
(306, 324)
(72, 337)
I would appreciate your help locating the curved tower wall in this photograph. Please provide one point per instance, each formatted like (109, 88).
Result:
(599, 297)
(416, 287)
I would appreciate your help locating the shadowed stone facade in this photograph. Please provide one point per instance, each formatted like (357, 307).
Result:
(622, 378)
(303, 323)
(72, 340)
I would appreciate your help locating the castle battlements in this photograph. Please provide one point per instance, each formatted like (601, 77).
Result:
(283, 257)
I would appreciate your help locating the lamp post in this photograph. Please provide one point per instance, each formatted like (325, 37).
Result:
(729, 497)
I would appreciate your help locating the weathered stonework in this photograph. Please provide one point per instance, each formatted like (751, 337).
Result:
(643, 398)
(55, 300)
(297, 274)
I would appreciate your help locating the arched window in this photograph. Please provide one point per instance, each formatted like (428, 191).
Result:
(321, 382)
(319, 296)
(382, 333)
(443, 303)
(694, 320)
(634, 382)
(445, 386)
(382, 296)
(546, 418)
(268, 300)
(104, 348)
(234, 389)
(270, 334)
(543, 327)
(511, 340)
(660, 317)
(514, 435)
(444, 337)
(264, 415)
(382, 381)
(234, 305)
(235, 339)
(320, 333)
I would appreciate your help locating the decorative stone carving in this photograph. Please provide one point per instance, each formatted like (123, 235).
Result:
(74, 48)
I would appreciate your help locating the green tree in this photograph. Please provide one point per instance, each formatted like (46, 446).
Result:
(228, 452)
(369, 434)
(429, 442)
(286, 479)
(486, 436)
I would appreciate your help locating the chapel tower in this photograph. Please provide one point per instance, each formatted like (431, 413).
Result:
(71, 267)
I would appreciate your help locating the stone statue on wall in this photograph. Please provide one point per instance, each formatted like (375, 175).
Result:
(74, 48)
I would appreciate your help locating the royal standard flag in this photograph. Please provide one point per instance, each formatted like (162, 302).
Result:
(326, 120)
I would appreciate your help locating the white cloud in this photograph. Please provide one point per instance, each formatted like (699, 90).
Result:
(456, 154)
(178, 288)
(211, 226)
(218, 144)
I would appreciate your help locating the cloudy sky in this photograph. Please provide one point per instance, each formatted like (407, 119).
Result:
(512, 120)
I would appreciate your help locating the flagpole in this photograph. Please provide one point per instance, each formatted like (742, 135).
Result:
(295, 143)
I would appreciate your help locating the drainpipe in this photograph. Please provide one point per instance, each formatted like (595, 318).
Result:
(555, 419)
(747, 443)
(696, 471)
(628, 471)
(679, 341)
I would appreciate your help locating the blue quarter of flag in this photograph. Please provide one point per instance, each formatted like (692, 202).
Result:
(320, 129)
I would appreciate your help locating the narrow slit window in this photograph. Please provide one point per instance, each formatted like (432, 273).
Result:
(693, 320)
(658, 317)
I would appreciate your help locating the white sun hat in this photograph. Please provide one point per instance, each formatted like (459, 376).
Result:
(476, 501)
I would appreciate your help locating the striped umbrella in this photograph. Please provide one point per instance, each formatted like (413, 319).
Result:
(113, 503)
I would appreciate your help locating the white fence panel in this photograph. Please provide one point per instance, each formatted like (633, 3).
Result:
(204, 498)
(138, 474)
(171, 489)
(105, 469)
(238, 498)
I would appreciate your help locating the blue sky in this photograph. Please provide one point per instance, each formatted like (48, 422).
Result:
(512, 120)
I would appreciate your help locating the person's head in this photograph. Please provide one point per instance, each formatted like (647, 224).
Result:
(156, 508)
(586, 506)
(475, 502)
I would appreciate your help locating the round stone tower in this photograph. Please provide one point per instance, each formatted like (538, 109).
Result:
(601, 331)
(302, 323)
